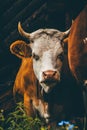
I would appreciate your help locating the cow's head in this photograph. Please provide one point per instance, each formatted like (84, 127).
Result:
(47, 52)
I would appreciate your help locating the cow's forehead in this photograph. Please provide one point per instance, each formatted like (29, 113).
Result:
(45, 42)
(41, 32)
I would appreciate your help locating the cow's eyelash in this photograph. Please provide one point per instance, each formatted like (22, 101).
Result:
(36, 57)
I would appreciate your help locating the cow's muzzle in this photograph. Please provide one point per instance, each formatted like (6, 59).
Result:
(49, 80)
(49, 74)
(50, 77)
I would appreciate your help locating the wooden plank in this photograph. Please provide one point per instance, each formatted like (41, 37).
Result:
(21, 16)
(13, 10)
(4, 5)
(14, 35)
(6, 95)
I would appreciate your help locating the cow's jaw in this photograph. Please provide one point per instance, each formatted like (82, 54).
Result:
(48, 87)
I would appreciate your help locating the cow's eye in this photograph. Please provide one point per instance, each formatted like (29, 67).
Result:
(61, 56)
(36, 57)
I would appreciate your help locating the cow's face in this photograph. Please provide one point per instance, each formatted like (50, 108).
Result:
(47, 53)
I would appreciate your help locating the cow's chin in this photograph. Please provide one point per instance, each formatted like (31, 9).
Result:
(48, 88)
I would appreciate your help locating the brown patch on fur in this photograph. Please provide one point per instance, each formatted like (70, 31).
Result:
(77, 51)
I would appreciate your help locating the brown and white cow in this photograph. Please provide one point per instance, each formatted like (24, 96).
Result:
(49, 104)
(45, 56)
(77, 52)
(51, 107)
(27, 85)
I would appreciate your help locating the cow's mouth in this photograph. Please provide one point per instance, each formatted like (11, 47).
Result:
(49, 81)
(49, 84)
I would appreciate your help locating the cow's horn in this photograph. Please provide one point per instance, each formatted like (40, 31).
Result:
(65, 34)
(22, 32)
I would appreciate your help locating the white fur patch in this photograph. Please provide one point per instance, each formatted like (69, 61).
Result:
(42, 108)
(85, 40)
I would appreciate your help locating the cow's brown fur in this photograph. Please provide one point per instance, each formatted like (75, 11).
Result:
(25, 82)
(77, 49)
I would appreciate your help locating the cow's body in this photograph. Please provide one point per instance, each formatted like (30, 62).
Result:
(35, 100)
(53, 106)
(77, 47)
(27, 85)
(47, 53)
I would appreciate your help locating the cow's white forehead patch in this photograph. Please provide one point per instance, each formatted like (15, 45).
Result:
(45, 42)
(40, 32)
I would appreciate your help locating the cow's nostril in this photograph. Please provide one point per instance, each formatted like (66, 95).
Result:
(49, 74)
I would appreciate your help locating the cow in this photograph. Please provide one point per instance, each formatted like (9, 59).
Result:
(26, 84)
(50, 105)
(77, 51)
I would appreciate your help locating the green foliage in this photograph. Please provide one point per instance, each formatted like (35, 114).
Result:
(2, 119)
(18, 120)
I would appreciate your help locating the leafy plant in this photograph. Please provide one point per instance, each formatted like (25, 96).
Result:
(2, 119)
(18, 120)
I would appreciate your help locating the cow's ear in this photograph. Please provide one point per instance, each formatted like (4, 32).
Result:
(20, 49)
(65, 45)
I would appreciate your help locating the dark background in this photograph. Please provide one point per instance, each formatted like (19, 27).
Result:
(33, 14)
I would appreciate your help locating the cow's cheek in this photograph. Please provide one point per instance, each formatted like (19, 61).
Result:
(37, 69)
(59, 66)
